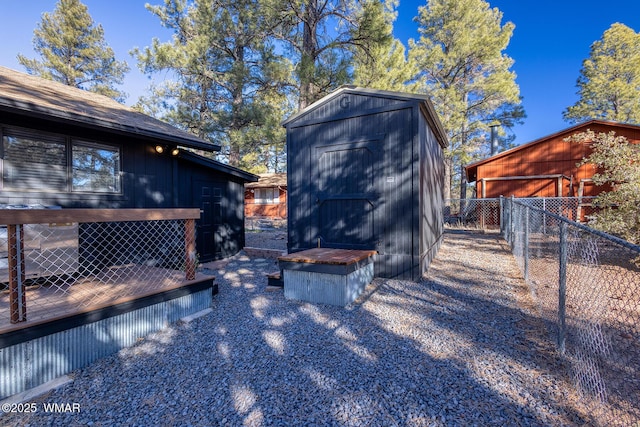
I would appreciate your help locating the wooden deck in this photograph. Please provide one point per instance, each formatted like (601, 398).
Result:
(115, 285)
(328, 256)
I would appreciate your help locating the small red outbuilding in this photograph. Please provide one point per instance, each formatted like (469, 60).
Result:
(266, 198)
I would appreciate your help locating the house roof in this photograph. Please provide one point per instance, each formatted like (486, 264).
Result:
(269, 180)
(472, 168)
(218, 166)
(427, 107)
(36, 97)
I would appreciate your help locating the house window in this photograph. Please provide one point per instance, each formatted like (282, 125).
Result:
(95, 168)
(267, 196)
(34, 161)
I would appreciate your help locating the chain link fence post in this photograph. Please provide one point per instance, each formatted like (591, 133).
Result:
(501, 213)
(525, 250)
(562, 289)
(544, 217)
(512, 223)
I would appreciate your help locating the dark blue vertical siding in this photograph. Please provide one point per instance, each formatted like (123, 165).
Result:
(356, 179)
(149, 181)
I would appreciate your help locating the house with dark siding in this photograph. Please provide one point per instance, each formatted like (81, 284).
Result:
(69, 148)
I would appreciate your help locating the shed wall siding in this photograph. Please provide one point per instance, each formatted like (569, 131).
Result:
(391, 179)
(344, 104)
(375, 189)
(432, 197)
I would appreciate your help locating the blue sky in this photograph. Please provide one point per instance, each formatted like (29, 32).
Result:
(550, 41)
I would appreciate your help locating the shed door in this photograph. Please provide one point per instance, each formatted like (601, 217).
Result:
(346, 194)
(208, 196)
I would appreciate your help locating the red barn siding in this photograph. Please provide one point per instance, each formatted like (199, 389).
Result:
(551, 155)
(272, 210)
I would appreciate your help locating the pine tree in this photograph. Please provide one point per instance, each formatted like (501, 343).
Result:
(382, 64)
(616, 162)
(74, 52)
(321, 35)
(610, 79)
(464, 70)
(228, 80)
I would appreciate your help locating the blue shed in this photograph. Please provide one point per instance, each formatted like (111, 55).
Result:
(366, 171)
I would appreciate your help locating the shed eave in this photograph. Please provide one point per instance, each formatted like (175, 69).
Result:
(312, 107)
(218, 166)
(427, 108)
(429, 113)
(358, 91)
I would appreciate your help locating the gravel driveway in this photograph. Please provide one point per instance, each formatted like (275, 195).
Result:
(458, 348)
(266, 239)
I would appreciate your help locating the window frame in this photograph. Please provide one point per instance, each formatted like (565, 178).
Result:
(267, 200)
(69, 143)
(117, 176)
(43, 138)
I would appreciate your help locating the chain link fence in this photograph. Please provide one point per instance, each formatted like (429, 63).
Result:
(472, 213)
(54, 269)
(574, 208)
(485, 213)
(587, 287)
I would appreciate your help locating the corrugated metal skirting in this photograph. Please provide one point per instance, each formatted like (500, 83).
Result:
(323, 288)
(29, 364)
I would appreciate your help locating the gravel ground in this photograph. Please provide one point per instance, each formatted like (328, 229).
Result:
(458, 348)
(266, 239)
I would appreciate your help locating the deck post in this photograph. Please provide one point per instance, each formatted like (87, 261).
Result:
(190, 248)
(17, 291)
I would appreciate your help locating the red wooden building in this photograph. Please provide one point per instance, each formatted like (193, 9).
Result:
(546, 167)
(266, 198)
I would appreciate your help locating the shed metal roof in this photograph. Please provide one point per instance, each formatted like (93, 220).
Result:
(427, 107)
(36, 97)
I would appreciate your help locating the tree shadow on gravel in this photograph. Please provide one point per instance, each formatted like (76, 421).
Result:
(432, 353)
(406, 354)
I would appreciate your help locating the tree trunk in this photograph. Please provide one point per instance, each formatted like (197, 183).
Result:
(448, 176)
(464, 137)
(236, 108)
(308, 55)
(463, 183)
